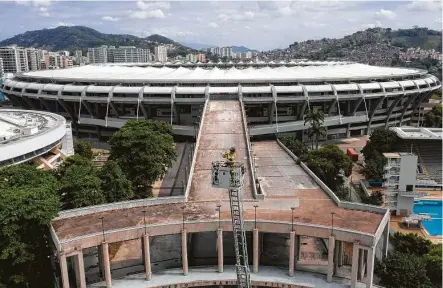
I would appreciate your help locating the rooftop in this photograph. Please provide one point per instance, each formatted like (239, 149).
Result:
(417, 133)
(281, 73)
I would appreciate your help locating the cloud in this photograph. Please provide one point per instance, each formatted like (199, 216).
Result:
(36, 3)
(213, 25)
(248, 15)
(385, 14)
(276, 8)
(373, 25)
(153, 5)
(62, 24)
(110, 18)
(313, 24)
(43, 11)
(438, 20)
(424, 5)
(148, 14)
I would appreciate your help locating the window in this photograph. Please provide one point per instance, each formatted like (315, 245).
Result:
(409, 187)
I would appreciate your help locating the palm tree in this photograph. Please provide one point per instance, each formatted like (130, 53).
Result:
(316, 130)
(315, 119)
(314, 116)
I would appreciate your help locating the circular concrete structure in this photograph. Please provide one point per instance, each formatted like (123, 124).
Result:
(25, 135)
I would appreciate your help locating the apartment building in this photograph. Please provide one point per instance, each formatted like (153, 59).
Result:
(2, 72)
(98, 55)
(222, 51)
(15, 59)
(400, 178)
(33, 59)
(161, 54)
(130, 54)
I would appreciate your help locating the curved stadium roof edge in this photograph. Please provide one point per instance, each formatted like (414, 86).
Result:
(128, 74)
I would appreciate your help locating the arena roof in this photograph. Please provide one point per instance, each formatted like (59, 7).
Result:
(299, 73)
(418, 133)
(23, 132)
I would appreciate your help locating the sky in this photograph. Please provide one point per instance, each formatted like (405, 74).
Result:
(261, 25)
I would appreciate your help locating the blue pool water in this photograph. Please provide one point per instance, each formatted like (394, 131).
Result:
(433, 208)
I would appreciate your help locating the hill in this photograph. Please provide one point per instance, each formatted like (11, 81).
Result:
(376, 46)
(237, 49)
(201, 46)
(80, 37)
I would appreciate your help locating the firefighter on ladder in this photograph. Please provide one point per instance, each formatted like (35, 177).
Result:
(230, 160)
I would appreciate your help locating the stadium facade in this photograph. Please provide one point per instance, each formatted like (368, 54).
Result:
(355, 98)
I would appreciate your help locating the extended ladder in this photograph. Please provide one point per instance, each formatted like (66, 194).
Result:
(231, 177)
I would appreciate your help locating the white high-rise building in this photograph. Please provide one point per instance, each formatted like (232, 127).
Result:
(130, 54)
(15, 59)
(33, 59)
(98, 55)
(401, 176)
(161, 54)
(2, 72)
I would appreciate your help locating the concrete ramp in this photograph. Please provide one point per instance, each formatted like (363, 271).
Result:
(221, 129)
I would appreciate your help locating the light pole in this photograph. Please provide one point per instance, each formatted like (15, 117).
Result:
(218, 209)
(183, 218)
(332, 225)
(255, 216)
(292, 218)
(103, 228)
(144, 219)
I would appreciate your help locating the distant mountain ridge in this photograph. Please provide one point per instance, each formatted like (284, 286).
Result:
(201, 46)
(80, 37)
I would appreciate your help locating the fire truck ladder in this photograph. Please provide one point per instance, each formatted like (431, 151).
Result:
(238, 228)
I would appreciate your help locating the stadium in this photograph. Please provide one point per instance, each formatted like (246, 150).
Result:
(355, 98)
(298, 233)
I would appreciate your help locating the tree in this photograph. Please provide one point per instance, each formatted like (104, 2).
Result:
(80, 185)
(294, 145)
(315, 118)
(382, 140)
(376, 198)
(28, 202)
(374, 167)
(83, 148)
(433, 262)
(144, 149)
(403, 270)
(411, 244)
(114, 184)
(329, 163)
(433, 119)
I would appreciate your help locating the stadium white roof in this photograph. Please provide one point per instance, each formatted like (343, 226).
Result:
(302, 73)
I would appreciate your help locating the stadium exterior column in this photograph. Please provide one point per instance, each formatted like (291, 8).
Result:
(255, 250)
(331, 246)
(370, 267)
(185, 252)
(64, 270)
(361, 270)
(291, 252)
(147, 256)
(106, 264)
(80, 269)
(340, 253)
(220, 249)
(354, 268)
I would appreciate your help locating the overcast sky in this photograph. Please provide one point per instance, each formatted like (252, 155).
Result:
(260, 25)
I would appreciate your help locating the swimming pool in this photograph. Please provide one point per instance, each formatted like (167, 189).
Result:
(433, 208)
